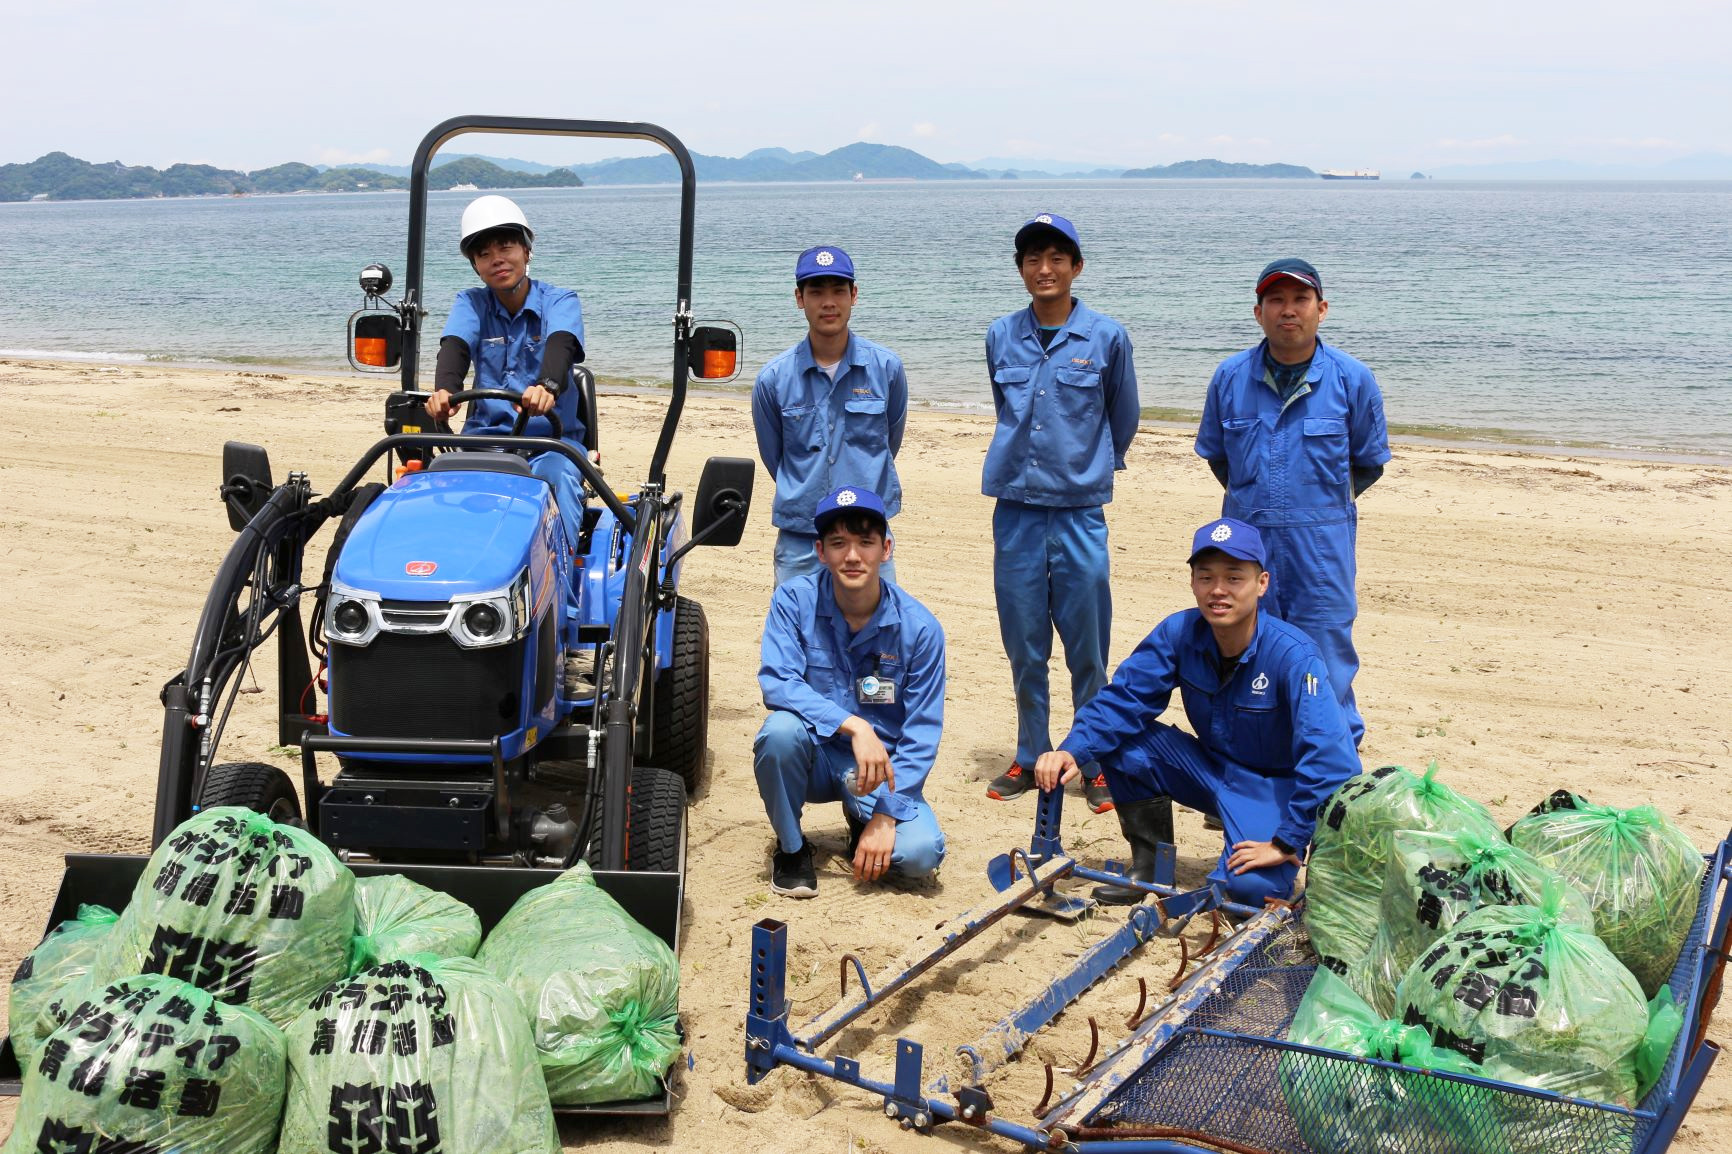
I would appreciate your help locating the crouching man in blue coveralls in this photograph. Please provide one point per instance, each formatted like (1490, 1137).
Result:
(523, 336)
(1271, 745)
(1294, 431)
(831, 408)
(853, 674)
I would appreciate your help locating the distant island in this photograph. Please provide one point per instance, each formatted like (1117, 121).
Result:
(1219, 170)
(58, 176)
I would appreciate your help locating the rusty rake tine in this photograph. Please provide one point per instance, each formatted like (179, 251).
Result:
(1094, 1044)
(1136, 1017)
(1040, 1110)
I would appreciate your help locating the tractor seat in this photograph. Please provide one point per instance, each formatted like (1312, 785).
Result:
(481, 461)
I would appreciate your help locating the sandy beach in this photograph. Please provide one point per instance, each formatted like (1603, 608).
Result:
(1528, 621)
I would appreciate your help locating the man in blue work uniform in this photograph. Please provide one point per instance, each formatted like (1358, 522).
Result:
(1271, 745)
(1066, 395)
(853, 674)
(1294, 431)
(523, 336)
(828, 411)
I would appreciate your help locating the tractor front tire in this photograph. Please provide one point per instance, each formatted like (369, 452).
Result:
(261, 788)
(681, 730)
(655, 822)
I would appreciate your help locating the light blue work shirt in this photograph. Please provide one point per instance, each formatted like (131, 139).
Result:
(816, 435)
(812, 665)
(1275, 714)
(1066, 412)
(1290, 461)
(506, 351)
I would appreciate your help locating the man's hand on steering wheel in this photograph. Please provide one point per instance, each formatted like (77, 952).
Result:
(538, 400)
(439, 405)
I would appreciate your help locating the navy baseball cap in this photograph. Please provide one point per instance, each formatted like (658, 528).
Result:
(1230, 536)
(824, 260)
(848, 498)
(1293, 268)
(1048, 220)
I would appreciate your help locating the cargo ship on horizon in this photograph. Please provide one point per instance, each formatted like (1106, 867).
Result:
(1351, 174)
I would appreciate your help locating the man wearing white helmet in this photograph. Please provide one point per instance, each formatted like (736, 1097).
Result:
(523, 336)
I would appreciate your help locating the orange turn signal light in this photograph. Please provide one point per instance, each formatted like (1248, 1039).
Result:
(370, 351)
(719, 363)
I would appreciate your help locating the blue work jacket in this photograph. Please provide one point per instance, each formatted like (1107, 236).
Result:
(816, 435)
(1291, 462)
(1276, 713)
(812, 664)
(1066, 413)
(507, 350)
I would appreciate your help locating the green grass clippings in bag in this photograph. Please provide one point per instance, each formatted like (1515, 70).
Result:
(423, 1054)
(602, 992)
(1434, 880)
(1534, 998)
(257, 913)
(152, 1065)
(1350, 1108)
(1640, 873)
(396, 918)
(64, 956)
(1351, 848)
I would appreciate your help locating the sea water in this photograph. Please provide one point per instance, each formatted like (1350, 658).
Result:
(1582, 314)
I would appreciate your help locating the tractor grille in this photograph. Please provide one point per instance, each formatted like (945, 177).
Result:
(425, 685)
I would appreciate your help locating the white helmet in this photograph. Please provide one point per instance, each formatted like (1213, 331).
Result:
(490, 212)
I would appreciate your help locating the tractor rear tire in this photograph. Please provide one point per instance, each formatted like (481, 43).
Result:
(680, 732)
(655, 822)
(261, 788)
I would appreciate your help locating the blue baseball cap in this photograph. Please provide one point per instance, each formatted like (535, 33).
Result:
(1045, 221)
(849, 498)
(824, 260)
(1293, 268)
(1233, 537)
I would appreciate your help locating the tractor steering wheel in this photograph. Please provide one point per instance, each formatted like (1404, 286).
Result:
(523, 414)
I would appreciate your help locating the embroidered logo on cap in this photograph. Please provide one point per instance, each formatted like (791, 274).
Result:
(846, 497)
(1043, 218)
(825, 259)
(1221, 533)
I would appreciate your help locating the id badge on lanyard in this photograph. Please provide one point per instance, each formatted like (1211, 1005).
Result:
(875, 689)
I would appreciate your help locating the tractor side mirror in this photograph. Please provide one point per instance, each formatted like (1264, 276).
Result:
(714, 352)
(246, 481)
(724, 497)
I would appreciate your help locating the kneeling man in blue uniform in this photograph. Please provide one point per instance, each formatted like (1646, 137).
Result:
(1272, 740)
(853, 674)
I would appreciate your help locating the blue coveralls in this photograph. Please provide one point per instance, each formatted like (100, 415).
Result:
(506, 351)
(1066, 416)
(1290, 473)
(815, 435)
(1270, 749)
(812, 666)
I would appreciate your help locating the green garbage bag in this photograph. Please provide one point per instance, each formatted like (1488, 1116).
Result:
(396, 918)
(1434, 880)
(602, 992)
(1641, 875)
(63, 957)
(1534, 998)
(1348, 1108)
(1350, 852)
(257, 913)
(422, 1054)
(153, 1065)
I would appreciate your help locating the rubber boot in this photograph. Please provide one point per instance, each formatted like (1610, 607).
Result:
(1146, 824)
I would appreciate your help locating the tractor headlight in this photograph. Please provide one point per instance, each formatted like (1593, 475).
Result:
(496, 618)
(353, 616)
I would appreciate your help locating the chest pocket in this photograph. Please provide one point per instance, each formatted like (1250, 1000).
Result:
(799, 426)
(1012, 380)
(1247, 448)
(1326, 454)
(1079, 394)
(864, 426)
(491, 365)
(1259, 737)
(821, 672)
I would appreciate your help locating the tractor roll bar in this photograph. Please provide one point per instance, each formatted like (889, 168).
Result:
(537, 126)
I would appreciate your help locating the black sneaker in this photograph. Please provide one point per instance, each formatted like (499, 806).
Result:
(1013, 782)
(792, 874)
(1100, 798)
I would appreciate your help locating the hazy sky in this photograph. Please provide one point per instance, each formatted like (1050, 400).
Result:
(1331, 83)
